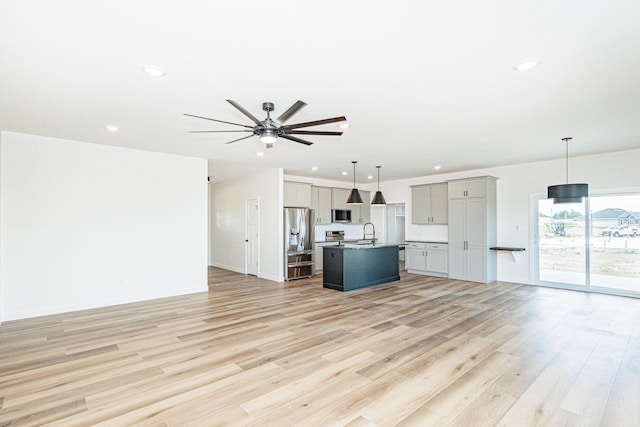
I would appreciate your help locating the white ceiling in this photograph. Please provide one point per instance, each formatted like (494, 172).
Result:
(421, 83)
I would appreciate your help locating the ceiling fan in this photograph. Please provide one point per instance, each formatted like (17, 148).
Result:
(270, 130)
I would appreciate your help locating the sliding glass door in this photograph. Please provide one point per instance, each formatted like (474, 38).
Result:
(562, 254)
(593, 245)
(615, 242)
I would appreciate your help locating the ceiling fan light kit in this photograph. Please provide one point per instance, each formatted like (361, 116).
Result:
(269, 136)
(269, 130)
(378, 198)
(567, 193)
(354, 196)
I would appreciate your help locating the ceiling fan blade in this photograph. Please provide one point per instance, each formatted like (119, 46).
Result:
(290, 112)
(316, 123)
(239, 139)
(312, 132)
(293, 138)
(216, 120)
(243, 111)
(216, 131)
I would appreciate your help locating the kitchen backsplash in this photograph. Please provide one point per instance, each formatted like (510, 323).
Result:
(351, 231)
(426, 233)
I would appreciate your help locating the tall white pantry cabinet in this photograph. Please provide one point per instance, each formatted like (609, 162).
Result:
(472, 229)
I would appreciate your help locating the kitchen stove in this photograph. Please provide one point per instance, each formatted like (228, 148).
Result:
(334, 235)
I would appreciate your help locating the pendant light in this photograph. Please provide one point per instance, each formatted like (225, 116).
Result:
(378, 198)
(567, 193)
(354, 196)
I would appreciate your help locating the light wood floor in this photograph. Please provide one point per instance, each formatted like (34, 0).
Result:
(423, 351)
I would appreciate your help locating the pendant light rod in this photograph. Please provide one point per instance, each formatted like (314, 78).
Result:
(566, 143)
(354, 173)
(354, 196)
(378, 198)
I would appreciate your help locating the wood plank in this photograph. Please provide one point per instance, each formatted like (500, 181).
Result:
(420, 351)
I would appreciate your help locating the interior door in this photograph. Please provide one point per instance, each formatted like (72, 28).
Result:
(253, 236)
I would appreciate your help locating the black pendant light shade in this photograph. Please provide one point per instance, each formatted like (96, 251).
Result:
(567, 193)
(354, 196)
(378, 198)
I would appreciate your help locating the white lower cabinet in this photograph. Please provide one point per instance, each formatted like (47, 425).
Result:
(318, 260)
(427, 258)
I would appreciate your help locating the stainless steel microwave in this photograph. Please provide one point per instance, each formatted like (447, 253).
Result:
(340, 215)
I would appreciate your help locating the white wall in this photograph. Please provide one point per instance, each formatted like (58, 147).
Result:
(86, 225)
(517, 185)
(228, 202)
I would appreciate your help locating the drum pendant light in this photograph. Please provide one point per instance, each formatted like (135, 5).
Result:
(567, 193)
(354, 196)
(378, 198)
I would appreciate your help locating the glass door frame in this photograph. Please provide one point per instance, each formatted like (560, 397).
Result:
(535, 254)
(535, 240)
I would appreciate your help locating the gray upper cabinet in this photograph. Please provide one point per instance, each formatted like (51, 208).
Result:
(360, 214)
(339, 198)
(321, 204)
(297, 194)
(474, 187)
(429, 204)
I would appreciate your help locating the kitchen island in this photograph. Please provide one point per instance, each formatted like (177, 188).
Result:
(354, 266)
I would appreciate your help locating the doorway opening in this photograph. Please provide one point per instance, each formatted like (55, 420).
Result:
(395, 226)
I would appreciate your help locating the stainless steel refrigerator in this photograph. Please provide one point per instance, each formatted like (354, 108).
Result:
(298, 243)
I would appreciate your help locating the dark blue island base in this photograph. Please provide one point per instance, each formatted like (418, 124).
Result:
(349, 267)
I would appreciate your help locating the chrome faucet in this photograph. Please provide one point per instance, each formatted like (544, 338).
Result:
(364, 231)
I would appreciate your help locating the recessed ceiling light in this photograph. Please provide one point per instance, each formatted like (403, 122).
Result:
(112, 128)
(153, 71)
(314, 168)
(437, 167)
(344, 125)
(259, 153)
(344, 172)
(370, 177)
(526, 64)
